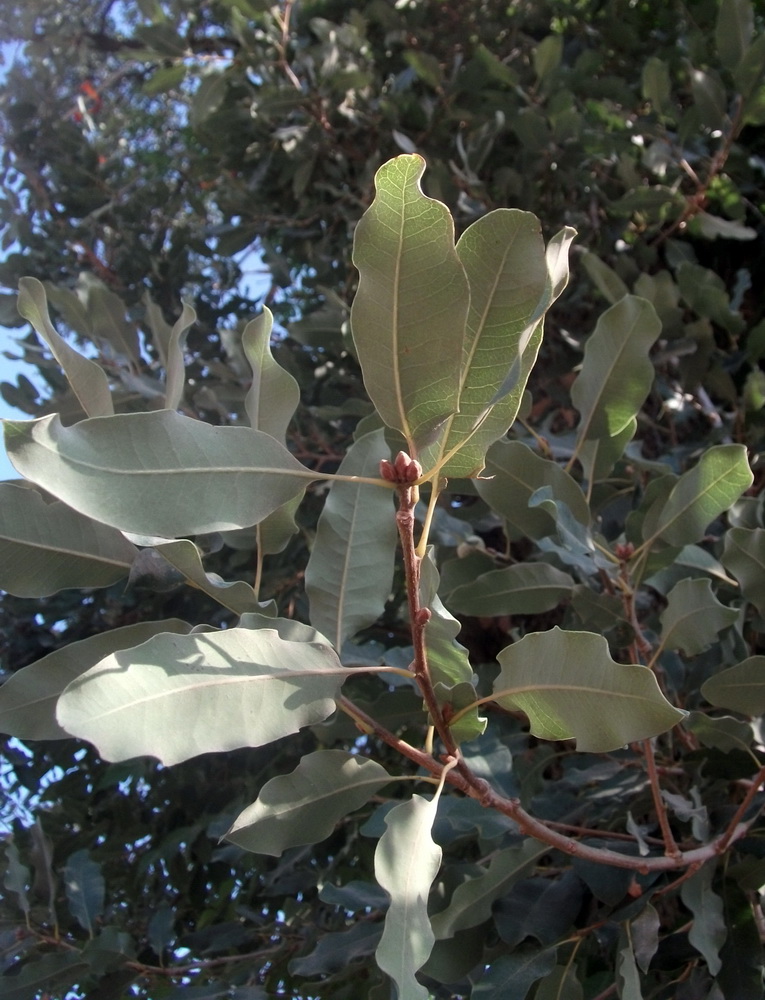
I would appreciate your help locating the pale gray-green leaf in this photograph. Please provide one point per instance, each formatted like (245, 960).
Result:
(28, 698)
(350, 572)
(708, 931)
(740, 688)
(628, 977)
(570, 688)
(85, 889)
(175, 366)
(274, 394)
(744, 555)
(47, 547)
(86, 377)
(158, 473)
(719, 478)
(693, 617)
(184, 555)
(605, 279)
(305, 806)
(471, 901)
(406, 863)
(408, 316)
(526, 588)
(236, 688)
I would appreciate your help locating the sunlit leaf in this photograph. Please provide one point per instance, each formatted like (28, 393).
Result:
(740, 688)
(47, 547)
(274, 394)
(235, 688)
(699, 496)
(406, 863)
(350, 572)
(86, 377)
(570, 688)
(304, 807)
(408, 316)
(28, 698)
(158, 473)
(175, 370)
(693, 617)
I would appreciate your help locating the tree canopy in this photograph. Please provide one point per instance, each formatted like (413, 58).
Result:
(382, 603)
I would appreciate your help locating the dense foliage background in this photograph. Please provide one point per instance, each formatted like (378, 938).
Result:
(222, 152)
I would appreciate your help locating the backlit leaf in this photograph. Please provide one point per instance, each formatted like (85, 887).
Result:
(87, 378)
(236, 688)
(304, 807)
(408, 316)
(47, 547)
(350, 572)
(158, 473)
(28, 698)
(693, 617)
(406, 863)
(570, 688)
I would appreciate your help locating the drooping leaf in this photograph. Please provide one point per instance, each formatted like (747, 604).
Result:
(408, 316)
(158, 473)
(28, 698)
(740, 974)
(184, 555)
(472, 901)
(744, 555)
(47, 547)
(510, 977)
(85, 889)
(304, 807)
(510, 292)
(274, 394)
(700, 495)
(644, 932)
(616, 375)
(733, 32)
(406, 863)
(740, 688)
(628, 977)
(17, 876)
(605, 279)
(86, 377)
(514, 474)
(175, 369)
(571, 688)
(526, 588)
(240, 687)
(350, 571)
(693, 617)
(708, 931)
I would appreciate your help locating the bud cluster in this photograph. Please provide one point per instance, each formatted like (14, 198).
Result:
(402, 470)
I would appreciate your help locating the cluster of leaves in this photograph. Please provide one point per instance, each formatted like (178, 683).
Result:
(616, 567)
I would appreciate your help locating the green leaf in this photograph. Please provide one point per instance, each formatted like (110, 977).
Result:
(106, 317)
(235, 688)
(274, 394)
(49, 973)
(406, 863)
(570, 688)
(709, 98)
(628, 977)
(472, 901)
(657, 86)
(617, 374)
(47, 547)
(740, 688)
(561, 984)
(699, 496)
(708, 932)
(184, 555)
(304, 807)
(721, 732)
(734, 30)
(693, 617)
(17, 876)
(158, 473)
(408, 316)
(744, 555)
(87, 378)
(336, 950)
(175, 367)
(85, 889)
(644, 932)
(547, 55)
(740, 975)
(526, 588)
(510, 292)
(605, 279)
(350, 572)
(516, 473)
(510, 977)
(28, 698)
